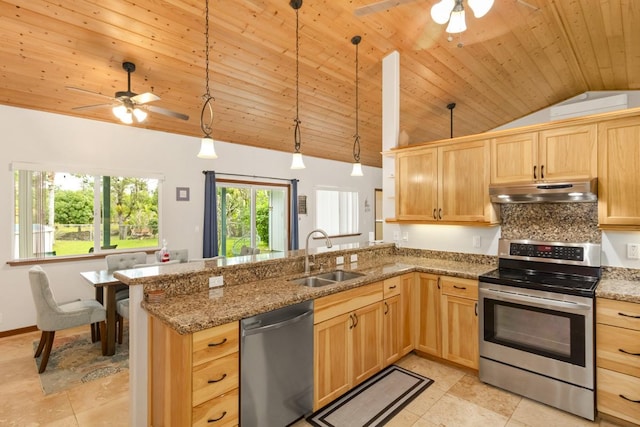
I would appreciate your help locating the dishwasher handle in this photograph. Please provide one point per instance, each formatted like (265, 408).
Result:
(252, 330)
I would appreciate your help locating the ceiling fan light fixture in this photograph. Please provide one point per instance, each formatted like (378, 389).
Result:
(207, 149)
(480, 7)
(457, 22)
(140, 114)
(441, 11)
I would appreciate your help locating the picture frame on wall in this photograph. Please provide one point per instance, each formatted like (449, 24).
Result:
(182, 194)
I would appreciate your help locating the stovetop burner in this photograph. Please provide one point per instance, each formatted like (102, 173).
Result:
(567, 268)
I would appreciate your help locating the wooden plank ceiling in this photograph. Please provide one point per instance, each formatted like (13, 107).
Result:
(519, 58)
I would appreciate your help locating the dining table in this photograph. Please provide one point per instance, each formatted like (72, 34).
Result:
(103, 280)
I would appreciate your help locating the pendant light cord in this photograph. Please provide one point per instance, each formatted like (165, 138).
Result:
(356, 138)
(296, 131)
(206, 128)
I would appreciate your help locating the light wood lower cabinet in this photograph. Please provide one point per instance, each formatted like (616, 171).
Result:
(448, 318)
(618, 359)
(392, 329)
(348, 340)
(194, 378)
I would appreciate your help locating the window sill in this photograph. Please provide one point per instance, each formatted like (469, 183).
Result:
(71, 258)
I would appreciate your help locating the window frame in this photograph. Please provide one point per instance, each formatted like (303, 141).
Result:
(354, 216)
(98, 174)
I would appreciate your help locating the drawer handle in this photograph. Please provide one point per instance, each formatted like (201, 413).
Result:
(628, 315)
(630, 400)
(459, 287)
(213, 420)
(218, 380)
(628, 352)
(392, 287)
(215, 344)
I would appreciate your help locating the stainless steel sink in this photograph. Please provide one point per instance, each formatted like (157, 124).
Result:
(312, 281)
(326, 278)
(339, 275)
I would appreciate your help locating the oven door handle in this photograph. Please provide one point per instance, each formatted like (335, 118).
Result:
(511, 296)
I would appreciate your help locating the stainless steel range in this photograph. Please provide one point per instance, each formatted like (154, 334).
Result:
(537, 322)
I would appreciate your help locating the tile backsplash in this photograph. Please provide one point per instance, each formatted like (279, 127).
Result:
(563, 222)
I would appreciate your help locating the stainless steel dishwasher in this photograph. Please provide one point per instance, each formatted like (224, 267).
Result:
(276, 366)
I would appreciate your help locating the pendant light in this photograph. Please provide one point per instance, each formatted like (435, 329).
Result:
(296, 160)
(207, 149)
(357, 166)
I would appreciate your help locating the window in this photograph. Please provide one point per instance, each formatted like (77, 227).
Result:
(337, 211)
(252, 215)
(65, 214)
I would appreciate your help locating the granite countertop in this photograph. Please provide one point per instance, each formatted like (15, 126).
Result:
(202, 310)
(619, 289)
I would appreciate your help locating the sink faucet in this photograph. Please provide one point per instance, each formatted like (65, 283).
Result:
(307, 265)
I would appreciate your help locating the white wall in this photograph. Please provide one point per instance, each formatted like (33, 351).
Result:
(33, 136)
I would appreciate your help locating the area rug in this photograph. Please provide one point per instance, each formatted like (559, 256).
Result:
(374, 402)
(74, 360)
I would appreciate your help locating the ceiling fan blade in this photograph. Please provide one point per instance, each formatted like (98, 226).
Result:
(166, 112)
(143, 98)
(93, 107)
(379, 6)
(88, 92)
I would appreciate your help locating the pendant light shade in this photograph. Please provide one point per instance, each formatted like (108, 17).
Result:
(296, 161)
(357, 166)
(452, 11)
(207, 148)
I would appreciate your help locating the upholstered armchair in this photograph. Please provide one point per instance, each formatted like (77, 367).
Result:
(52, 317)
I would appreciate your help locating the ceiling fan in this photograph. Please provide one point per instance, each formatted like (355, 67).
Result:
(388, 4)
(127, 105)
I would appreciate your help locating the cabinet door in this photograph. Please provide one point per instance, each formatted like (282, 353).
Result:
(392, 329)
(463, 183)
(513, 158)
(429, 338)
(331, 340)
(460, 330)
(416, 188)
(408, 311)
(618, 172)
(367, 342)
(567, 153)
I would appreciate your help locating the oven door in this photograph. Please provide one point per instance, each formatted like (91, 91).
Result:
(542, 332)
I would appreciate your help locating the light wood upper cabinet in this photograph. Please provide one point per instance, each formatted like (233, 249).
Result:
(447, 184)
(555, 154)
(416, 184)
(618, 173)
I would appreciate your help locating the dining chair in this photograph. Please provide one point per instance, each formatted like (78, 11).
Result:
(122, 308)
(52, 317)
(182, 255)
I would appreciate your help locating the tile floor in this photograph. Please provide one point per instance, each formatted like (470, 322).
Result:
(456, 399)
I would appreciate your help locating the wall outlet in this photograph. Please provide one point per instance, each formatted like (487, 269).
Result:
(477, 241)
(633, 250)
(405, 236)
(354, 258)
(339, 260)
(215, 281)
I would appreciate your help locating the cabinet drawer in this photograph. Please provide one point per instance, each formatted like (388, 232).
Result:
(611, 386)
(343, 302)
(214, 378)
(215, 342)
(392, 286)
(618, 349)
(222, 411)
(618, 313)
(464, 288)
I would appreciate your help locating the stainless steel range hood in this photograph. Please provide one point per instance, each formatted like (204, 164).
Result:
(545, 192)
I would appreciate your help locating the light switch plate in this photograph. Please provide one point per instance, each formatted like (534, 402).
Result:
(633, 250)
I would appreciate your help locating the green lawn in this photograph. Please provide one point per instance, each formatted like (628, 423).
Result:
(79, 247)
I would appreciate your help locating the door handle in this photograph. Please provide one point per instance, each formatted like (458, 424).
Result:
(386, 308)
(534, 172)
(542, 172)
(434, 214)
(440, 213)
